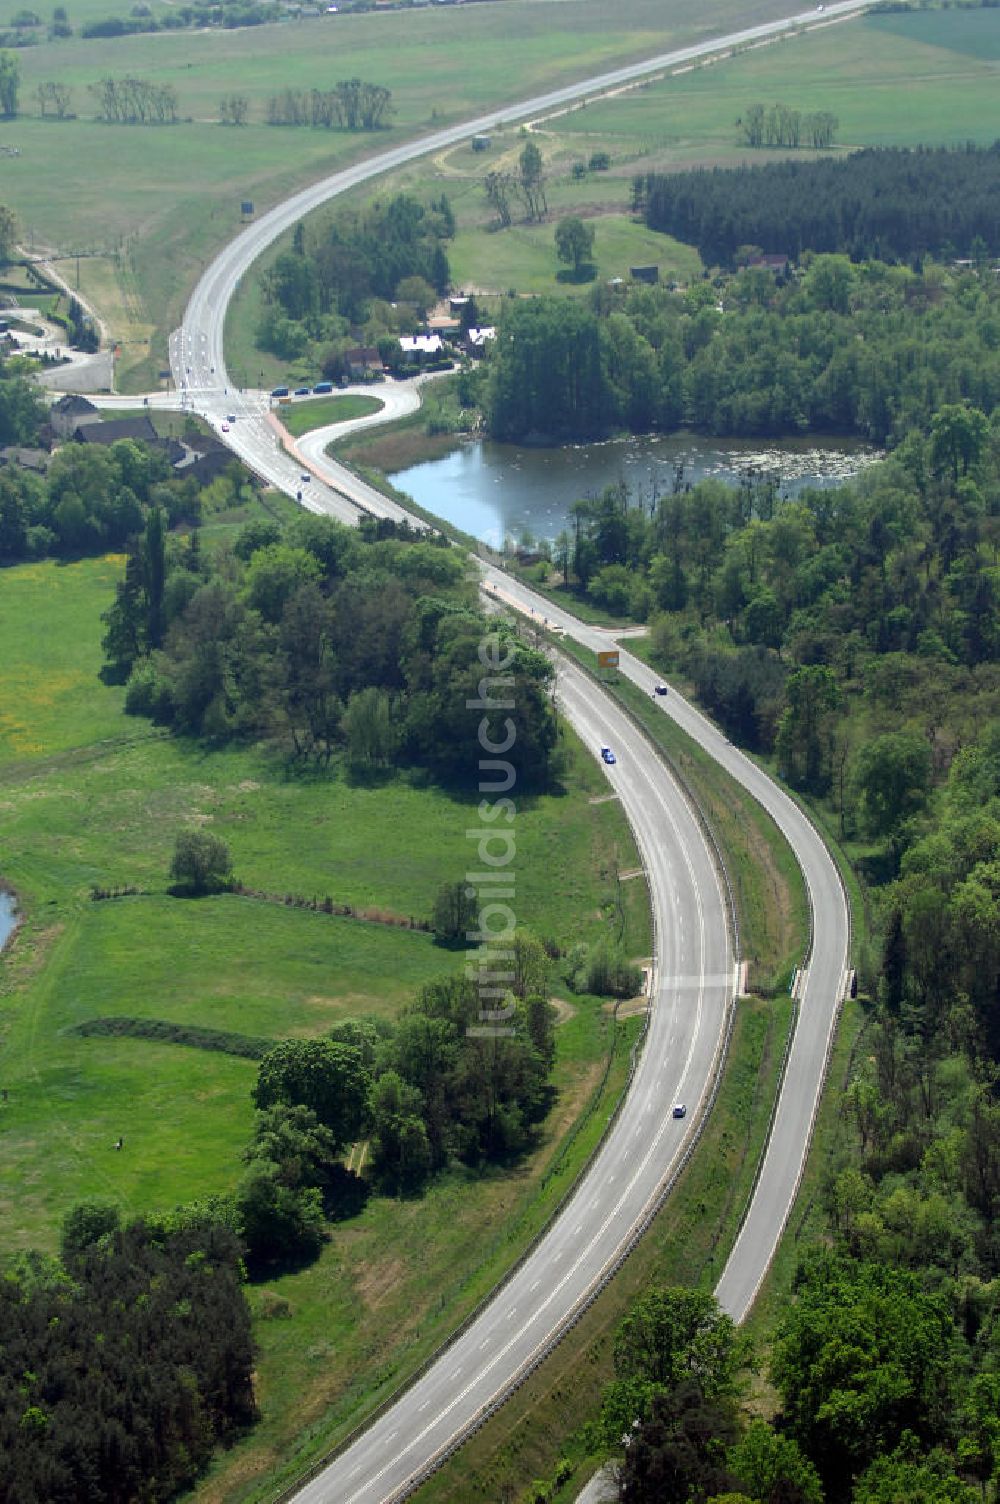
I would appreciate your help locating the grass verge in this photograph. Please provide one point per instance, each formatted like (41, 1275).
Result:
(303, 417)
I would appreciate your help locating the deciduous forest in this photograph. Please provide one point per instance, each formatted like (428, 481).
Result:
(872, 350)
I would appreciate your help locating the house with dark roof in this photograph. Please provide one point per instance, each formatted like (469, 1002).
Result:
(206, 466)
(362, 359)
(71, 412)
(775, 264)
(140, 430)
(36, 460)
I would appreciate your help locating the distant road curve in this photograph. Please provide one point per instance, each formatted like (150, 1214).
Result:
(196, 349)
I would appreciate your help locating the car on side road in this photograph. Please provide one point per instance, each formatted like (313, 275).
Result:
(322, 387)
(608, 756)
(303, 391)
(279, 391)
(660, 689)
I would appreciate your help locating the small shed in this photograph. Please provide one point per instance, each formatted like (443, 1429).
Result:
(649, 274)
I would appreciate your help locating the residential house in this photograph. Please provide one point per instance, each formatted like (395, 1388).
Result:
(70, 413)
(362, 360)
(140, 430)
(36, 460)
(476, 340)
(418, 348)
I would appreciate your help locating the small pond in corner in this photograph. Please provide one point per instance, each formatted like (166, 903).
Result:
(8, 917)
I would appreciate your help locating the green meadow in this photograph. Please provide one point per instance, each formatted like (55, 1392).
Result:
(891, 80)
(90, 798)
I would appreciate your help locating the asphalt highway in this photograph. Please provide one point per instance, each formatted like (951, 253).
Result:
(821, 989)
(693, 985)
(694, 972)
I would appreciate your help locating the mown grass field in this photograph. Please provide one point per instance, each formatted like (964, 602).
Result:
(302, 417)
(523, 258)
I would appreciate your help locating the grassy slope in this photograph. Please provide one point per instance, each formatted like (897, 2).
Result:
(524, 257)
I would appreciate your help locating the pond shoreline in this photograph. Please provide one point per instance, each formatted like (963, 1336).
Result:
(11, 915)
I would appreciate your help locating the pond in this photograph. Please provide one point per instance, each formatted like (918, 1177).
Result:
(8, 917)
(498, 491)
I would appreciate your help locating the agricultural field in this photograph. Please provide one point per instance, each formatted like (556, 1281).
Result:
(891, 80)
